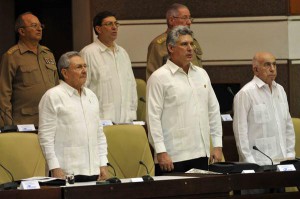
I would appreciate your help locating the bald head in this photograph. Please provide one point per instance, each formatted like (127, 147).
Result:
(261, 56)
(264, 67)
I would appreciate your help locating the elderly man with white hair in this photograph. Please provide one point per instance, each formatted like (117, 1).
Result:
(70, 132)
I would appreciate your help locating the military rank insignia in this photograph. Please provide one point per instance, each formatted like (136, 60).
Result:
(49, 61)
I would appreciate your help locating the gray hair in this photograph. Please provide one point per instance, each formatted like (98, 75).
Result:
(174, 34)
(20, 22)
(173, 10)
(64, 61)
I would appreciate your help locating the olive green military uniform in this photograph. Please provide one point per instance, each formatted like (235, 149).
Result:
(158, 54)
(24, 78)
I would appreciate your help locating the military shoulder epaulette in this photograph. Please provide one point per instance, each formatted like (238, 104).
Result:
(13, 49)
(45, 48)
(161, 40)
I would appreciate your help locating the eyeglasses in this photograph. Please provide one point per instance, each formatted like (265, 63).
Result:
(34, 26)
(111, 24)
(185, 18)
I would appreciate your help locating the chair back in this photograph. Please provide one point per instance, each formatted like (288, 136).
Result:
(127, 145)
(296, 123)
(21, 154)
(141, 92)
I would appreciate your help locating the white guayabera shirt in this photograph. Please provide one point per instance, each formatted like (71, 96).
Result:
(70, 131)
(110, 77)
(262, 119)
(183, 112)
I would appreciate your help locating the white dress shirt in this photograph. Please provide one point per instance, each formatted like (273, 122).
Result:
(183, 112)
(262, 119)
(110, 77)
(70, 131)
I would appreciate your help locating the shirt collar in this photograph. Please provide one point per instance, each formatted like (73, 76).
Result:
(104, 47)
(261, 83)
(23, 48)
(174, 68)
(70, 90)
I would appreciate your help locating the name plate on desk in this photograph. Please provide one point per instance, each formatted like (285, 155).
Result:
(248, 171)
(29, 184)
(138, 123)
(136, 180)
(106, 123)
(286, 167)
(26, 127)
(226, 117)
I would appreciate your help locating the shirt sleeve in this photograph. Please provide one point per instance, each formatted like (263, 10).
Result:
(290, 131)
(154, 104)
(240, 125)
(7, 73)
(133, 89)
(102, 145)
(47, 129)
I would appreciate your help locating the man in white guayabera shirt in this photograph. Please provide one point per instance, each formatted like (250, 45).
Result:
(261, 116)
(70, 132)
(110, 74)
(183, 111)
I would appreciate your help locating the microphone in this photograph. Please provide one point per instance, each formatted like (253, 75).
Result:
(266, 167)
(255, 148)
(230, 91)
(8, 128)
(142, 99)
(8, 185)
(147, 177)
(114, 179)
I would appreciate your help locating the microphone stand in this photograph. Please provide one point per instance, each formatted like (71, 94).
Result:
(8, 128)
(147, 177)
(114, 179)
(266, 167)
(8, 185)
(142, 99)
(231, 112)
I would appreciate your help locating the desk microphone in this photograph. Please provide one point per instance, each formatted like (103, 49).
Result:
(147, 177)
(255, 148)
(8, 128)
(230, 91)
(142, 99)
(8, 185)
(114, 179)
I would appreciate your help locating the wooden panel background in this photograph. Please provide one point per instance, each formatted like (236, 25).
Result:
(155, 9)
(294, 7)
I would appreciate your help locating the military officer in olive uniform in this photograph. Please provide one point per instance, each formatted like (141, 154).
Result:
(27, 71)
(177, 14)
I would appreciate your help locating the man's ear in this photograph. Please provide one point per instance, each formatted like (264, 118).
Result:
(170, 48)
(254, 69)
(64, 73)
(98, 29)
(21, 31)
(171, 21)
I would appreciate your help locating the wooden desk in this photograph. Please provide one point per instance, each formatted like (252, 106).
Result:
(213, 186)
(267, 180)
(44, 193)
(209, 187)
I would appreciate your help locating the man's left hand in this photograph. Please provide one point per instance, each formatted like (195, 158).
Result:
(216, 155)
(103, 173)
